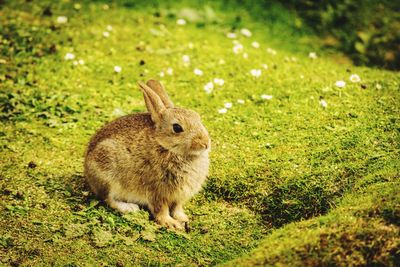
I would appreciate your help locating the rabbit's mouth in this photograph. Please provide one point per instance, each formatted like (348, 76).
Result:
(200, 151)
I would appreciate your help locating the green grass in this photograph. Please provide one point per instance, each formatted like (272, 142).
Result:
(274, 162)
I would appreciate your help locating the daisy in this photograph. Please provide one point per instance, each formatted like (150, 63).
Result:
(323, 103)
(255, 72)
(69, 56)
(355, 78)
(228, 105)
(62, 19)
(266, 97)
(245, 32)
(222, 111)
(208, 87)
(106, 34)
(240, 101)
(255, 44)
(198, 72)
(271, 51)
(161, 74)
(245, 56)
(181, 22)
(186, 59)
(231, 35)
(340, 84)
(219, 82)
(170, 71)
(237, 48)
(109, 28)
(265, 66)
(221, 62)
(117, 69)
(118, 112)
(81, 62)
(312, 55)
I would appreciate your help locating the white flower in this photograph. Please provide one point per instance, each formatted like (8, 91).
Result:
(81, 62)
(255, 44)
(190, 45)
(265, 66)
(237, 48)
(271, 51)
(219, 81)
(170, 71)
(198, 72)
(208, 87)
(231, 35)
(255, 72)
(245, 32)
(355, 78)
(266, 97)
(117, 69)
(222, 111)
(69, 56)
(118, 112)
(378, 86)
(340, 84)
(109, 28)
(62, 19)
(161, 74)
(245, 56)
(221, 62)
(181, 22)
(240, 101)
(228, 105)
(323, 103)
(106, 34)
(186, 59)
(312, 55)
(75, 62)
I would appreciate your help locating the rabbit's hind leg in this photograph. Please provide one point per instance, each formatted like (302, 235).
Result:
(121, 206)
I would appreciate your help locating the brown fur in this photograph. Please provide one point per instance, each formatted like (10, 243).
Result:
(139, 159)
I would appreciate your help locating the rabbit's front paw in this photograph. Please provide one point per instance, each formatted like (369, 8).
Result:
(169, 222)
(180, 216)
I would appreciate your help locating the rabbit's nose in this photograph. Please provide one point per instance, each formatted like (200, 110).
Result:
(200, 143)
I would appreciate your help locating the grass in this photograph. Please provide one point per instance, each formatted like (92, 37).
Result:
(307, 184)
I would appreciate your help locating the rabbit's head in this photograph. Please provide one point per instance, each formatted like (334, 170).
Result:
(176, 129)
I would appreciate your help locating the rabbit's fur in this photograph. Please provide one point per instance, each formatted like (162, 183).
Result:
(139, 159)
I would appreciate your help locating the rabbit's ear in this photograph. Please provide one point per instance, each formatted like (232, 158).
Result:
(160, 91)
(153, 102)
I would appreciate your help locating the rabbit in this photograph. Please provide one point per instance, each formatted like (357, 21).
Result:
(158, 159)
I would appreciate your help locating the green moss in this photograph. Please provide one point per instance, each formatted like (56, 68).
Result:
(357, 232)
(274, 162)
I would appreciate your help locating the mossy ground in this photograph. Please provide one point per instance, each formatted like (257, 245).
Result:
(274, 162)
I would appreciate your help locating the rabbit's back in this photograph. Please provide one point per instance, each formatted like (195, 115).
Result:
(126, 127)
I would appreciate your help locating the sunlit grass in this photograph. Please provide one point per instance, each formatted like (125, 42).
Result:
(278, 156)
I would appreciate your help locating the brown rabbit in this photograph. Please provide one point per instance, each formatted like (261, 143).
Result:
(157, 159)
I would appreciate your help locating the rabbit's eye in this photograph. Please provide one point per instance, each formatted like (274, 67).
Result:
(177, 128)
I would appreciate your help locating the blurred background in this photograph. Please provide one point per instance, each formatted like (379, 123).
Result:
(368, 32)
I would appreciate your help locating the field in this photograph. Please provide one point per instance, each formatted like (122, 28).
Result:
(303, 171)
